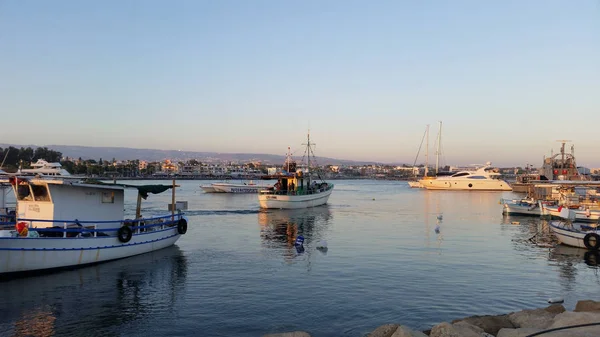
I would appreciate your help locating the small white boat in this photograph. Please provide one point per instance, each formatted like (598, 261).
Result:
(65, 223)
(209, 189)
(576, 234)
(576, 213)
(238, 188)
(415, 184)
(296, 190)
(521, 207)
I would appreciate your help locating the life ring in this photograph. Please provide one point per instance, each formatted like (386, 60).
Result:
(592, 241)
(182, 226)
(124, 234)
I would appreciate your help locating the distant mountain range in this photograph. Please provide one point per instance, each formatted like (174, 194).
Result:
(125, 153)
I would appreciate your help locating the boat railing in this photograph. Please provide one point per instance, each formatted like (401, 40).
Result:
(72, 228)
(301, 191)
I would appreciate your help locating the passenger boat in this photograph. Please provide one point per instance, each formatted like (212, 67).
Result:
(296, 188)
(60, 222)
(482, 179)
(44, 168)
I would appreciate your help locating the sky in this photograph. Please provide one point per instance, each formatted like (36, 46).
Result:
(507, 78)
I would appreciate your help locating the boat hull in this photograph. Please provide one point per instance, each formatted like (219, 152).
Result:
(568, 235)
(24, 254)
(573, 214)
(277, 201)
(238, 188)
(209, 189)
(466, 184)
(415, 184)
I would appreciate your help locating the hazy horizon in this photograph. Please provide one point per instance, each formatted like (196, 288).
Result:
(507, 78)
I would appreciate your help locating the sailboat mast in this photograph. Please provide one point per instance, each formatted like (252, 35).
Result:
(427, 153)
(438, 150)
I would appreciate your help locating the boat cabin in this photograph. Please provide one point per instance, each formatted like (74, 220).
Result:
(42, 199)
(298, 183)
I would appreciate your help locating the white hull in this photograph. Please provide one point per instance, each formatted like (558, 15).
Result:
(415, 184)
(22, 254)
(209, 189)
(294, 201)
(512, 207)
(569, 236)
(238, 188)
(466, 184)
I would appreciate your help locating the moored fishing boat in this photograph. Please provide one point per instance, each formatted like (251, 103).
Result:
(521, 207)
(63, 223)
(576, 234)
(296, 188)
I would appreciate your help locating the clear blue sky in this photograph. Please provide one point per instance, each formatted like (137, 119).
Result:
(507, 78)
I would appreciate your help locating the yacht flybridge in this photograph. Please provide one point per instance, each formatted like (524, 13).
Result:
(44, 168)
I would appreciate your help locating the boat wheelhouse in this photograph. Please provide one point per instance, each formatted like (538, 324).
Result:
(64, 223)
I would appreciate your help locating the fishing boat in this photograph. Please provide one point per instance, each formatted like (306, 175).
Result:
(62, 222)
(525, 206)
(576, 234)
(296, 188)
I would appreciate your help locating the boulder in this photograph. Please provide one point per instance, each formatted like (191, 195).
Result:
(520, 332)
(404, 331)
(459, 329)
(555, 309)
(566, 319)
(384, 331)
(531, 318)
(395, 330)
(289, 334)
(489, 324)
(587, 305)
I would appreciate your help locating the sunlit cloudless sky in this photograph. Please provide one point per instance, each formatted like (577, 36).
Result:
(507, 78)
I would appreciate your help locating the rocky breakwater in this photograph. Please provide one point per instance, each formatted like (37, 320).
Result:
(552, 321)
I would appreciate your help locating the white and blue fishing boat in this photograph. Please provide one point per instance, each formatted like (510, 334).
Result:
(297, 188)
(58, 222)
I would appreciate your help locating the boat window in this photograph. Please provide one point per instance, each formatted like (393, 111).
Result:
(40, 192)
(23, 193)
(461, 174)
(476, 177)
(108, 197)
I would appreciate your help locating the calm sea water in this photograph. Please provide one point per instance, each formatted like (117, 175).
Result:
(237, 273)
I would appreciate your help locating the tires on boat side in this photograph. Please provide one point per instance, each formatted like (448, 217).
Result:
(592, 241)
(124, 234)
(182, 226)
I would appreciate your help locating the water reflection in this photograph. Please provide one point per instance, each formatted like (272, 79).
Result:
(279, 229)
(98, 298)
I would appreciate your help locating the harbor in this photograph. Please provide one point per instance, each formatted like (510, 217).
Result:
(389, 260)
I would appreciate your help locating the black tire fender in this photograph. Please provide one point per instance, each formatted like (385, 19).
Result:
(124, 234)
(592, 241)
(182, 226)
